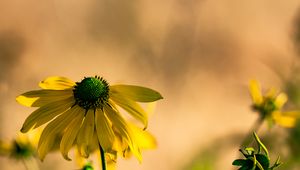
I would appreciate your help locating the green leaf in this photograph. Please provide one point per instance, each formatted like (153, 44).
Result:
(254, 163)
(259, 167)
(239, 162)
(248, 165)
(244, 168)
(263, 160)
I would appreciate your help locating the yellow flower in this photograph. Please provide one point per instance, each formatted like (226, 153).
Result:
(22, 147)
(270, 105)
(83, 111)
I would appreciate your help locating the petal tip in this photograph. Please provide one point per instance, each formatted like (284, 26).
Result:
(160, 98)
(24, 130)
(67, 157)
(42, 157)
(19, 99)
(145, 127)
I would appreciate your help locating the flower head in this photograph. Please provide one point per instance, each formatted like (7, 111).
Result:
(22, 147)
(84, 111)
(269, 106)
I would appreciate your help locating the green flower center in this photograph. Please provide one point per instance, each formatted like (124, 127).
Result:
(91, 92)
(267, 107)
(21, 150)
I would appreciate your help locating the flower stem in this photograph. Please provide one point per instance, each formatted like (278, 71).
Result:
(249, 138)
(102, 154)
(26, 164)
(30, 164)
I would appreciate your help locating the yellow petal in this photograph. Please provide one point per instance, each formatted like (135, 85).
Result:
(5, 148)
(255, 92)
(111, 156)
(34, 135)
(23, 139)
(136, 93)
(57, 83)
(71, 132)
(125, 131)
(110, 159)
(104, 130)
(284, 121)
(144, 139)
(271, 93)
(39, 98)
(52, 130)
(80, 161)
(85, 135)
(111, 165)
(131, 107)
(120, 144)
(46, 113)
(280, 100)
(295, 114)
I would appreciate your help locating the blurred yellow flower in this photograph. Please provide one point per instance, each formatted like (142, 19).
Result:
(270, 105)
(22, 147)
(84, 111)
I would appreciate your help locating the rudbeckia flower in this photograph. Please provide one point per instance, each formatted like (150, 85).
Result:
(23, 148)
(269, 106)
(79, 111)
(20, 148)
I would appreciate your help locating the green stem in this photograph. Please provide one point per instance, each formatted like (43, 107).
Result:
(249, 138)
(102, 154)
(30, 164)
(26, 164)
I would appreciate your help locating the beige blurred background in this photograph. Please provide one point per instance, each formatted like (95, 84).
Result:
(199, 54)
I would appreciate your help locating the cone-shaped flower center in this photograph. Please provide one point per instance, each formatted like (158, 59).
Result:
(267, 107)
(21, 150)
(91, 92)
